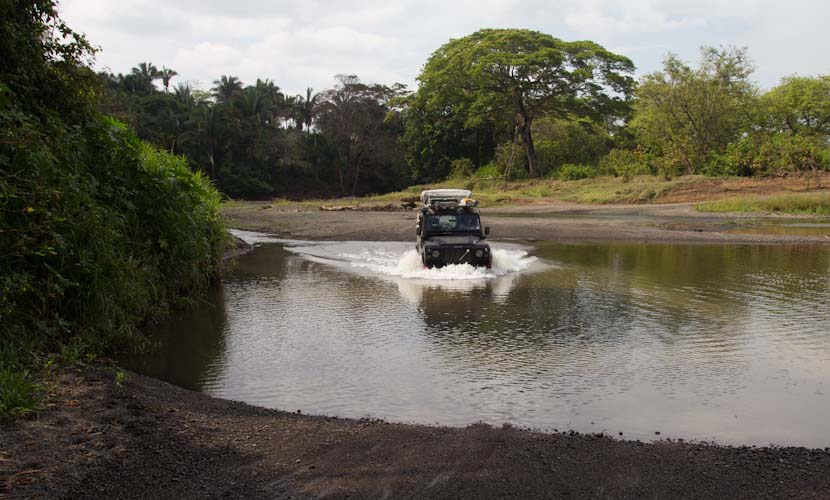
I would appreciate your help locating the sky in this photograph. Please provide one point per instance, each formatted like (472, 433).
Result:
(300, 44)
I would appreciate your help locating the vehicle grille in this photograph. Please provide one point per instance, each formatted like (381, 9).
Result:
(453, 255)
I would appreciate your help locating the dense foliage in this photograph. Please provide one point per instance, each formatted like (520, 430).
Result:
(493, 86)
(254, 141)
(97, 229)
(499, 103)
(713, 120)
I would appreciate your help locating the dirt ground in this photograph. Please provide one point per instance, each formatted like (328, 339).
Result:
(146, 439)
(557, 221)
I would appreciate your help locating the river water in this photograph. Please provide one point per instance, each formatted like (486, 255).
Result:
(701, 342)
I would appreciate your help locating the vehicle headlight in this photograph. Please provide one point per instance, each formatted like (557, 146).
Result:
(479, 253)
(435, 254)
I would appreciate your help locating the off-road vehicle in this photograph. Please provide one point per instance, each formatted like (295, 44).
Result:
(449, 230)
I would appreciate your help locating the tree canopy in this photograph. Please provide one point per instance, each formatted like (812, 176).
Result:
(683, 114)
(503, 79)
(800, 104)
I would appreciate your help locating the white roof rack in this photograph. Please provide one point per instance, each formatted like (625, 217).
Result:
(431, 195)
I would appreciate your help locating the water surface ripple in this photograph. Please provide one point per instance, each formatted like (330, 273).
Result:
(726, 343)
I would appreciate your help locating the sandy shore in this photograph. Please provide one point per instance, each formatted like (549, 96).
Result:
(146, 439)
(564, 222)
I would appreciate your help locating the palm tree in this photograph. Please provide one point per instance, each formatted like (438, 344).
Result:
(184, 92)
(306, 108)
(208, 132)
(145, 73)
(226, 88)
(166, 74)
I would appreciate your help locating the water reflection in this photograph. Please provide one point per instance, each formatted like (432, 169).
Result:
(705, 342)
(193, 345)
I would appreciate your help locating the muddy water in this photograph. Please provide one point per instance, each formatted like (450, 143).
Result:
(724, 343)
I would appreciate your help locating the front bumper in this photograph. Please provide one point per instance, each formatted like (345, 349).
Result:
(457, 255)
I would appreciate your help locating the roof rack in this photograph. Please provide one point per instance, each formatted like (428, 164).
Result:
(457, 197)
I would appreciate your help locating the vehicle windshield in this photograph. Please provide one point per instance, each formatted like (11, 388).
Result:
(453, 223)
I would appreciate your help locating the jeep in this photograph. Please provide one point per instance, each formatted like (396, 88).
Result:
(449, 230)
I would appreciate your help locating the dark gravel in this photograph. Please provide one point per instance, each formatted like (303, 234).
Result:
(150, 440)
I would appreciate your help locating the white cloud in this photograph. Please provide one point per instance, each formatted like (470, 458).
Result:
(592, 17)
(305, 43)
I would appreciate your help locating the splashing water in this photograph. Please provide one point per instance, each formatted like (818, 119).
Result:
(396, 259)
(408, 265)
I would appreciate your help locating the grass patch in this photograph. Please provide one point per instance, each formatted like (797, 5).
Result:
(494, 193)
(797, 204)
(18, 393)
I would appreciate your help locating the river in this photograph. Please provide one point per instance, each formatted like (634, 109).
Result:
(725, 343)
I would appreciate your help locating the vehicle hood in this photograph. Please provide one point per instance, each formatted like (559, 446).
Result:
(459, 240)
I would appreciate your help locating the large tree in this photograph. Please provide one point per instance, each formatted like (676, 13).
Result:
(684, 114)
(800, 105)
(509, 77)
(355, 117)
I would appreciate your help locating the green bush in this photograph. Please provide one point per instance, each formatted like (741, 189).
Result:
(624, 163)
(18, 395)
(784, 153)
(738, 159)
(770, 154)
(461, 168)
(101, 232)
(559, 142)
(570, 172)
(512, 157)
(489, 170)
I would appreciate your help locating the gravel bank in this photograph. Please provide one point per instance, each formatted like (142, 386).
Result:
(147, 439)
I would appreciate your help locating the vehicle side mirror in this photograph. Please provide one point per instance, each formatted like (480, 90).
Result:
(486, 230)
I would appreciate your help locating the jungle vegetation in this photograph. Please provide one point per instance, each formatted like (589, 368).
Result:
(99, 231)
(499, 103)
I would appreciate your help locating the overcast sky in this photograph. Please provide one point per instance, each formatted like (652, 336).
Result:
(305, 43)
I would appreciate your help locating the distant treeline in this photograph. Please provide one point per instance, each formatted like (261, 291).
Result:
(504, 103)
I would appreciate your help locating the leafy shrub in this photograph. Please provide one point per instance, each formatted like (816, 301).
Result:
(774, 154)
(510, 159)
(790, 153)
(671, 164)
(98, 230)
(461, 168)
(17, 393)
(738, 159)
(102, 232)
(489, 170)
(570, 172)
(624, 163)
(559, 142)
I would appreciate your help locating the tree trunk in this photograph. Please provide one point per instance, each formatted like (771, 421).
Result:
(523, 122)
(340, 179)
(356, 177)
(527, 143)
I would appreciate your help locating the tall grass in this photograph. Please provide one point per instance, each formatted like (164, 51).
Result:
(496, 192)
(797, 204)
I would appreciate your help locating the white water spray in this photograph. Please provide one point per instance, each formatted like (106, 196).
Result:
(408, 265)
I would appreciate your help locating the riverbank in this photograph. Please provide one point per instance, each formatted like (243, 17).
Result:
(147, 439)
(550, 221)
